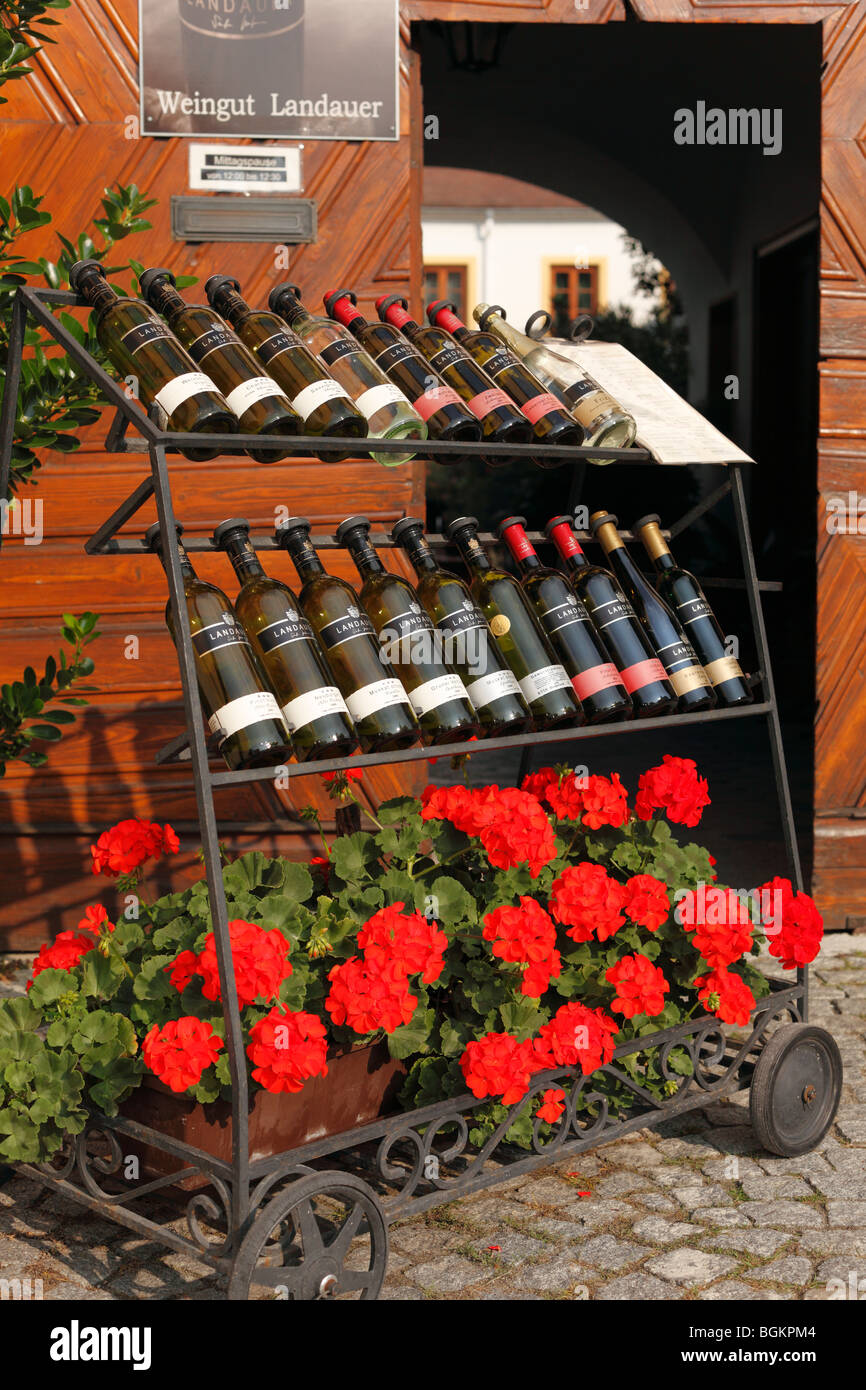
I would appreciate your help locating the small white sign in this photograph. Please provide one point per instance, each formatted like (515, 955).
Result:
(245, 168)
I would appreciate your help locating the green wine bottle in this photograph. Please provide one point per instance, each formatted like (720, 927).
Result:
(543, 682)
(238, 705)
(409, 641)
(286, 647)
(139, 345)
(468, 644)
(261, 406)
(322, 403)
(376, 700)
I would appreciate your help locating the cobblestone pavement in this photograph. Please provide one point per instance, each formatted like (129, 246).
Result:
(693, 1210)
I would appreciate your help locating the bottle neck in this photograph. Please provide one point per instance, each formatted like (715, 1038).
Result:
(398, 317)
(568, 546)
(503, 330)
(302, 553)
(657, 547)
(614, 548)
(231, 306)
(345, 313)
(98, 292)
(294, 313)
(164, 298)
(243, 557)
(363, 552)
(420, 556)
(521, 548)
(186, 569)
(473, 552)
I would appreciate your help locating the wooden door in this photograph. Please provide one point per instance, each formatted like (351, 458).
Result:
(64, 133)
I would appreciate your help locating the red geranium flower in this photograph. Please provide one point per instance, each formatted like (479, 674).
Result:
(797, 939)
(95, 917)
(646, 901)
(640, 986)
(518, 832)
(129, 844)
(286, 1049)
(576, 1036)
(414, 943)
(721, 922)
(467, 810)
(537, 782)
(726, 995)
(596, 801)
(323, 864)
(370, 994)
(566, 797)
(64, 953)
(553, 1105)
(183, 970)
(261, 961)
(527, 935)
(351, 774)
(588, 901)
(498, 1065)
(181, 1051)
(674, 787)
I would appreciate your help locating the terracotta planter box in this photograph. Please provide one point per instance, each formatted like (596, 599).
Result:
(360, 1086)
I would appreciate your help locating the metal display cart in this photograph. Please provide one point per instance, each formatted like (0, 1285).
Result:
(312, 1222)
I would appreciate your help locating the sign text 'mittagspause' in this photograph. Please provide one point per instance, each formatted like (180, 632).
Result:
(224, 108)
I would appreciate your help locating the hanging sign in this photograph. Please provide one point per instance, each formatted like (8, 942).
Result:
(278, 69)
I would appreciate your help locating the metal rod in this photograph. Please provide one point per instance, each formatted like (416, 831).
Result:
(326, 541)
(487, 745)
(210, 844)
(101, 541)
(10, 394)
(706, 505)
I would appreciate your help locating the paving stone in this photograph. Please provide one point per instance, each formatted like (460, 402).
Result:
(735, 1291)
(585, 1165)
(492, 1209)
(795, 1216)
(708, 1194)
(752, 1242)
(724, 1112)
(851, 1271)
(547, 1192)
(693, 1267)
(402, 1293)
(732, 1168)
(807, 1165)
(609, 1253)
(18, 1191)
(732, 1139)
(513, 1247)
(722, 1216)
(635, 1155)
(502, 1292)
(558, 1274)
(561, 1231)
(662, 1232)
(842, 1186)
(683, 1148)
(791, 1269)
(854, 1130)
(619, 1184)
(593, 1212)
(449, 1274)
(637, 1287)
(771, 1189)
(834, 1242)
(656, 1201)
(423, 1242)
(76, 1293)
(847, 1213)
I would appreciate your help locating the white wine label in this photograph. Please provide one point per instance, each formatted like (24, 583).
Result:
(492, 687)
(314, 705)
(208, 342)
(342, 348)
(258, 388)
(180, 390)
(149, 332)
(692, 609)
(290, 628)
(543, 681)
(240, 714)
(226, 633)
(316, 394)
(371, 698)
(378, 397)
(340, 630)
(437, 692)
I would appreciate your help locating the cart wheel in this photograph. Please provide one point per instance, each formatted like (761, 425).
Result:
(795, 1089)
(323, 1237)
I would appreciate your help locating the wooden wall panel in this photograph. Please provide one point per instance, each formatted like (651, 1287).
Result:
(65, 132)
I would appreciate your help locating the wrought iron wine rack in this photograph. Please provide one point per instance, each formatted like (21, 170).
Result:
(258, 1221)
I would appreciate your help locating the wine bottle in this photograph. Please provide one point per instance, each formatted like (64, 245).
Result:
(376, 700)
(409, 642)
(501, 421)
(468, 644)
(603, 419)
(616, 622)
(438, 404)
(259, 404)
(545, 409)
(238, 704)
(388, 413)
(685, 673)
(596, 680)
(286, 647)
(682, 592)
(544, 684)
(140, 346)
(322, 403)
